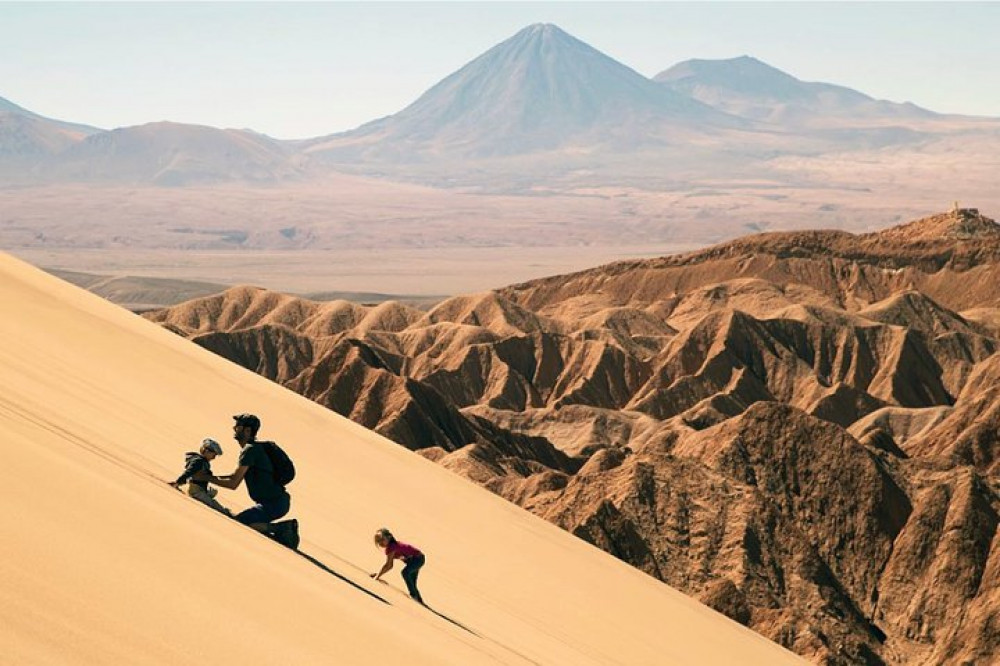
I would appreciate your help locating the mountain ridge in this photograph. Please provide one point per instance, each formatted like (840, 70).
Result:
(875, 263)
(6, 106)
(172, 154)
(751, 88)
(541, 108)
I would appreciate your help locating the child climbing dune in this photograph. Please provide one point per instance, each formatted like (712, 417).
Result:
(197, 469)
(412, 556)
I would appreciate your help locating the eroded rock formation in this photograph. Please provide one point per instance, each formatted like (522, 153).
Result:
(799, 429)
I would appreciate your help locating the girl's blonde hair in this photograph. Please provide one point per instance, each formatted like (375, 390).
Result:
(383, 533)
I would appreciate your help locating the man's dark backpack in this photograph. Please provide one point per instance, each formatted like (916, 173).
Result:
(284, 470)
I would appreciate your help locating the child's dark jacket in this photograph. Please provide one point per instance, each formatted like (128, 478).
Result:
(194, 463)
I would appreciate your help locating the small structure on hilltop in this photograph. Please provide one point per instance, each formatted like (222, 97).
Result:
(957, 224)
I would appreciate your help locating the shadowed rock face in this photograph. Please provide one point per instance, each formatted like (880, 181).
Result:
(800, 430)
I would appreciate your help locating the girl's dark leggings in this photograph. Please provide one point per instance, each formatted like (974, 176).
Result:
(410, 572)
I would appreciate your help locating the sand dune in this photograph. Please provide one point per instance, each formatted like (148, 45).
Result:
(106, 563)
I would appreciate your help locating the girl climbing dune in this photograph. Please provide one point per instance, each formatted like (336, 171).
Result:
(412, 556)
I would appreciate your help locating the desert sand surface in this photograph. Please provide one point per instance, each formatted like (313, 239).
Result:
(105, 563)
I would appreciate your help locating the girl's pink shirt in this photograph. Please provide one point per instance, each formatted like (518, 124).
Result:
(399, 550)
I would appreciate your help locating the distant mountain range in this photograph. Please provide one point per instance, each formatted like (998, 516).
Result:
(176, 154)
(38, 149)
(8, 107)
(751, 89)
(25, 135)
(540, 94)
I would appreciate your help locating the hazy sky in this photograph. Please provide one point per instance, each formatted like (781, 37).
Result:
(295, 70)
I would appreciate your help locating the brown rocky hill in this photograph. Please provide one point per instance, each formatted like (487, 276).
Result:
(933, 255)
(801, 430)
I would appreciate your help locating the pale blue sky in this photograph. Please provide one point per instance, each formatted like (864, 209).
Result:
(295, 70)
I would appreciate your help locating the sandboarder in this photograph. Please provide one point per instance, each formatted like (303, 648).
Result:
(271, 499)
(197, 469)
(411, 555)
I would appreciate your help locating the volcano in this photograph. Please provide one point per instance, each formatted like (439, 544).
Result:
(540, 90)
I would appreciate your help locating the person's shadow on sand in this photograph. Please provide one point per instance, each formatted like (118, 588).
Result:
(454, 622)
(347, 580)
(350, 582)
